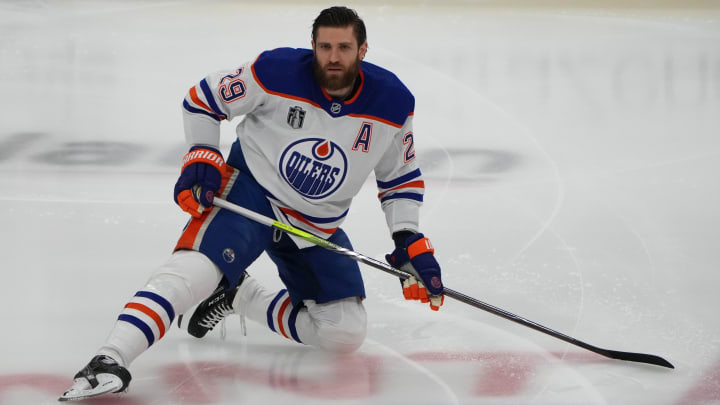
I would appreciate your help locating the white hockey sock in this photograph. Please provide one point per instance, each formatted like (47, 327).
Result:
(337, 326)
(253, 301)
(185, 279)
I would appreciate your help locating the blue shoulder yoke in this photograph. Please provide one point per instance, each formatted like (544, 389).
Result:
(288, 72)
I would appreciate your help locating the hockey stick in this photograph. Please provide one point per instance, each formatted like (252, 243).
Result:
(613, 354)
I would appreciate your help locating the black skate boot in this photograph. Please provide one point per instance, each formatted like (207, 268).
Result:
(213, 310)
(101, 376)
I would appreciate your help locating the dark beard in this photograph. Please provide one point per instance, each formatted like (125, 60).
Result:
(336, 82)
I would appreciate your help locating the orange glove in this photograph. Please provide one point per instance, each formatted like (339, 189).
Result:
(200, 178)
(417, 258)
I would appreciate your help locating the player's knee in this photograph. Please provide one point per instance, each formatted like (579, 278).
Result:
(345, 331)
(184, 279)
(336, 339)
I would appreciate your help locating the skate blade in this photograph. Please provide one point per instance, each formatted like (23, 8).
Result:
(81, 389)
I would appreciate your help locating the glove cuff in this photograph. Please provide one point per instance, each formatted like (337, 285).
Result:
(204, 154)
(420, 246)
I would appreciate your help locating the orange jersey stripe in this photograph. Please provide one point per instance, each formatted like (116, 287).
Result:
(257, 80)
(372, 117)
(300, 218)
(359, 90)
(412, 184)
(290, 96)
(196, 100)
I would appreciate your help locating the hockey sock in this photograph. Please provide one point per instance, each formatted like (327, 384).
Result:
(185, 279)
(271, 308)
(338, 326)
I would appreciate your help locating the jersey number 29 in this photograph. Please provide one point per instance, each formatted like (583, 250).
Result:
(231, 87)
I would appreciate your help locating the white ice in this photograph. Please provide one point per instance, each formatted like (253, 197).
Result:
(571, 156)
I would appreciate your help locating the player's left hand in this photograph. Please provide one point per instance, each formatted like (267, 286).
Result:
(417, 258)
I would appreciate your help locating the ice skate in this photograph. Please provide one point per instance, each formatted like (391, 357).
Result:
(101, 376)
(212, 311)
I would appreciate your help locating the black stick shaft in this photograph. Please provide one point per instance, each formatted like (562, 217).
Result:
(613, 354)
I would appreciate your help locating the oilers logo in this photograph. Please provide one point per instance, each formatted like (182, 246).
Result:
(313, 167)
(229, 255)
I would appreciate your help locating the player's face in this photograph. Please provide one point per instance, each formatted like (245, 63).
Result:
(337, 58)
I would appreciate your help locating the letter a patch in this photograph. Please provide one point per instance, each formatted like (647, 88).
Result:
(364, 137)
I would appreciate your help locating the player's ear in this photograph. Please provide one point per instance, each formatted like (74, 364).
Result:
(363, 50)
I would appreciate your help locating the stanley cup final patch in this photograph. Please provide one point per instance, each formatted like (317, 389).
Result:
(314, 167)
(296, 117)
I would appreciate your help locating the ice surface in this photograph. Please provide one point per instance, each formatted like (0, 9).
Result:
(571, 157)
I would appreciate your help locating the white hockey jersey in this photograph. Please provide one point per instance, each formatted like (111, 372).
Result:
(312, 153)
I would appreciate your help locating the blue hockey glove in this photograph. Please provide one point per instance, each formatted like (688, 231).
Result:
(200, 178)
(416, 256)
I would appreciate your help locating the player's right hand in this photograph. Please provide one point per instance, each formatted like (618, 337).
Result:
(200, 178)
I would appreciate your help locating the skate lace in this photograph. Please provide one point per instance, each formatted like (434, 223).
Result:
(215, 315)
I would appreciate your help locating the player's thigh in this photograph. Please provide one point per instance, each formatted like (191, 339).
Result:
(316, 273)
(231, 241)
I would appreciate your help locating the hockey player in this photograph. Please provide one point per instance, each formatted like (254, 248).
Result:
(316, 123)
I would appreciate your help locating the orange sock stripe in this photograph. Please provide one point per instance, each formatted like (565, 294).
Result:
(281, 312)
(152, 314)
